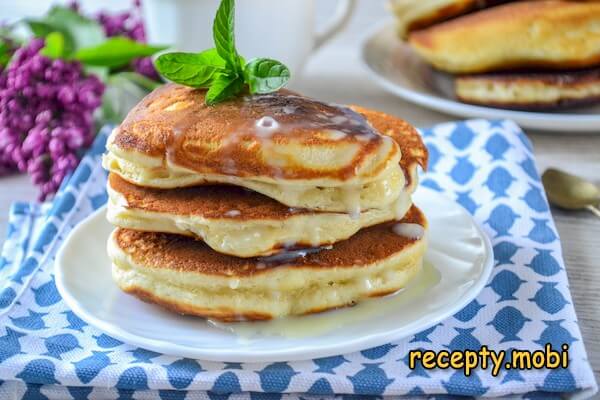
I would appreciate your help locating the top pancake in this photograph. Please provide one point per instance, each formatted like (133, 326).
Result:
(540, 34)
(272, 137)
(320, 156)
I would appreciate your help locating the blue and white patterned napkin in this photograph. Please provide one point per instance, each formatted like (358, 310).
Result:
(47, 352)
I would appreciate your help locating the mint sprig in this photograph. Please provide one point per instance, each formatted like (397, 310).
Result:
(221, 69)
(224, 34)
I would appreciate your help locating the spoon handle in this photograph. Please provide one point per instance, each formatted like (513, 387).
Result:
(594, 210)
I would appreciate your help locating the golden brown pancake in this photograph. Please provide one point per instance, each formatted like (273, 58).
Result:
(530, 91)
(413, 15)
(299, 151)
(414, 151)
(173, 121)
(187, 276)
(237, 221)
(530, 34)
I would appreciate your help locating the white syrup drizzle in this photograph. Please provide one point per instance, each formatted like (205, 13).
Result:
(411, 231)
(266, 126)
(233, 213)
(351, 199)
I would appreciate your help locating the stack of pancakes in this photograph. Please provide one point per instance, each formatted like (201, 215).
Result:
(262, 206)
(521, 55)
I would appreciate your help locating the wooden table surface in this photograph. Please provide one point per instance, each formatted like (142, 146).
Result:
(335, 74)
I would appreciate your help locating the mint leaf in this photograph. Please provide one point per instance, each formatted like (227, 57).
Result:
(55, 46)
(264, 75)
(195, 70)
(224, 34)
(115, 52)
(223, 88)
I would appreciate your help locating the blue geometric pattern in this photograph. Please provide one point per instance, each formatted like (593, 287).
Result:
(48, 352)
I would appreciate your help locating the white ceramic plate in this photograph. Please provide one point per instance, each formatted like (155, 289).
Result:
(458, 263)
(395, 67)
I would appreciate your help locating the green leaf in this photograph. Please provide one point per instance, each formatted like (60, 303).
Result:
(224, 87)
(222, 70)
(5, 55)
(78, 31)
(55, 46)
(39, 28)
(115, 52)
(10, 41)
(85, 31)
(264, 75)
(195, 70)
(224, 34)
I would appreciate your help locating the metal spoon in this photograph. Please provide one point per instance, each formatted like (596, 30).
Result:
(570, 191)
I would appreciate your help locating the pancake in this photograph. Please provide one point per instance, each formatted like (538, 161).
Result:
(530, 91)
(413, 15)
(188, 277)
(551, 34)
(236, 221)
(298, 151)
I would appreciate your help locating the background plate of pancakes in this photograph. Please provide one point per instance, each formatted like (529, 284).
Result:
(534, 62)
(454, 273)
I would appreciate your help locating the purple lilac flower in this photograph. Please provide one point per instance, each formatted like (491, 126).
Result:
(46, 116)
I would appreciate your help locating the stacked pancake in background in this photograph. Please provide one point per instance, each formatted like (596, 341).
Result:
(521, 55)
(262, 206)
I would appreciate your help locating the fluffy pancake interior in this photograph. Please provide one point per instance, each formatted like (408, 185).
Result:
(238, 222)
(374, 194)
(187, 276)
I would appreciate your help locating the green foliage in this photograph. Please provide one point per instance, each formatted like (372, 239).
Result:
(222, 70)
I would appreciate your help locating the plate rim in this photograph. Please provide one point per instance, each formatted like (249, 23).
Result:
(581, 122)
(304, 352)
